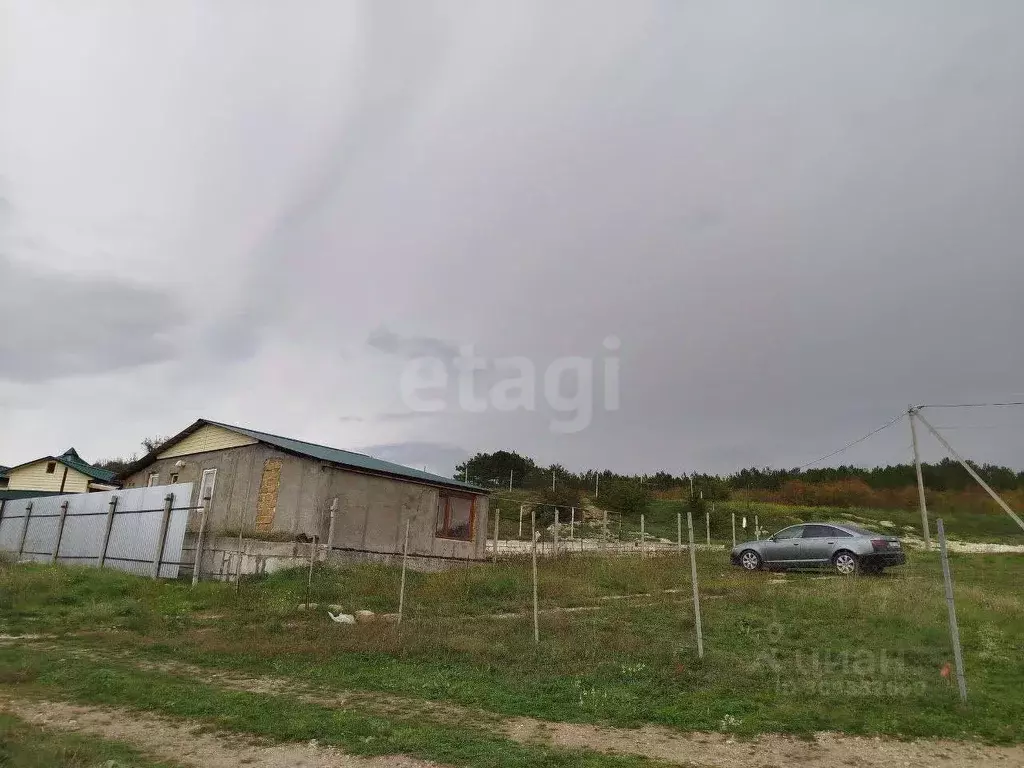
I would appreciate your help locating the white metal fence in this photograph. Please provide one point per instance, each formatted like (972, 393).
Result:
(139, 530)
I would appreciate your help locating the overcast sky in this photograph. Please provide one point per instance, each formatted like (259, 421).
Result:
(795, 218)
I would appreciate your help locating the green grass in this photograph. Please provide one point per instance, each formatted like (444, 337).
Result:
(628, 663)
(283, 718)
(27, 746)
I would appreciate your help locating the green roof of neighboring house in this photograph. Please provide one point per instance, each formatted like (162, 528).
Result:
(70, 458)
(9, 495)
(322, 453)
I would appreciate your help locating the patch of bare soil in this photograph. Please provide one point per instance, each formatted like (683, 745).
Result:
(190, 744)
(826, 750)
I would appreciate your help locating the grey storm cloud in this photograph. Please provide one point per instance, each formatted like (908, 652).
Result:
(387, 341)
(58, 325)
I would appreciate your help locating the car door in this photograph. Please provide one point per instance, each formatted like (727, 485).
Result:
(784, 546)
(819, 542)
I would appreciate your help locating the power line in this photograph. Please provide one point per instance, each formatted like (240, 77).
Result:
(853, 443)
(968, 405)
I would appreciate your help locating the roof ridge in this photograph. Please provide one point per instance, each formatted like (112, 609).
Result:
(291, 439)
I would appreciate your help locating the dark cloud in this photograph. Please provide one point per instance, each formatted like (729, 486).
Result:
(57, 325)
(384, 340)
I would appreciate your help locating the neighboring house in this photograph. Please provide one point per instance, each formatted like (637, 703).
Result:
(3, 476)
(67, 473)
(274, 488)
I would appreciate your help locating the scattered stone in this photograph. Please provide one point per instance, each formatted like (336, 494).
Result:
(365, 616)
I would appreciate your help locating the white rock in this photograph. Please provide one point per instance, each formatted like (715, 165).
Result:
(364, 615)
(342, 618)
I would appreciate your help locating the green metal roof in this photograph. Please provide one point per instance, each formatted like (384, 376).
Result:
(348, 458)
(70, 458)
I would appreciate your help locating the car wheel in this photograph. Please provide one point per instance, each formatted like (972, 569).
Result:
(845, 563)
(750, 560)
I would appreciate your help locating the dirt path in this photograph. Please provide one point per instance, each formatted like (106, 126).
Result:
(190, 744)
(827, 750)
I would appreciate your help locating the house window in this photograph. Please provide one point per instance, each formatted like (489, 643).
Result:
(456, 517)
(51, 467)
(174, 477)
(154, 479)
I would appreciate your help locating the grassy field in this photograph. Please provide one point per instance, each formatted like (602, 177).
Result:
(798, 654)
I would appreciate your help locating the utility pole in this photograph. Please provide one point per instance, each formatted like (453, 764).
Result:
(920, 480)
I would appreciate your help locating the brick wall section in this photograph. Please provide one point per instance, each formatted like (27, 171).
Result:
(266, 504)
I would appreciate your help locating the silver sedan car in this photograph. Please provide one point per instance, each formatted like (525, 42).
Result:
(844, 547)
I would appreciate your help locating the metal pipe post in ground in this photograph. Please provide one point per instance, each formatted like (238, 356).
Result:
(572, 522)
(556, 531)
(734, 529)
(330, 527)
(401, 589)
(60, 530)
(312, 559)
(159, 554)
(643, 545)
(954, 630)
(111, 511)
(757, 529)
(497, 529)
(604, 532)
(707, 526)
(24, 529)
(521, 521)
(970, 470)
(197, 560)
(536, 619)
(920, 481)
(696, 592)
(679, 532)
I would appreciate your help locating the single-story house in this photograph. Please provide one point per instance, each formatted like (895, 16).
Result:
(277, 489)
(67, 473)
(3, 476)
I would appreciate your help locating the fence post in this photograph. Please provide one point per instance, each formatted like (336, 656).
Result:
(572, 522)
(734, 529)
(707, 526)
(401, 588)
(696, 592)
(497, 533)
(3, 503)
(556, 531)
(757, 529)
(111, 507)
(520, 521)
(24, 530)
(158, 556)
(330, 529)
(954, 630)
(536, 620)
(60, 529)
(604, 532)
(643, 538)
(679, 533)
(197, 564)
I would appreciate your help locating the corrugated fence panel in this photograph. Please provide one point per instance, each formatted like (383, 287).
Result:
(82, 540)
(42, 528)
(12, 520)
(134, 532)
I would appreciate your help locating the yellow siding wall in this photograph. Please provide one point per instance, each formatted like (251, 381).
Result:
(34, 478)
(207, 438)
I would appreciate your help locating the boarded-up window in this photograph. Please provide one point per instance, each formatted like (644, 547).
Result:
(456, 516)
(266, 505)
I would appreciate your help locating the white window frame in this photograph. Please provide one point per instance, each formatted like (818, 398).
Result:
(153, 479)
